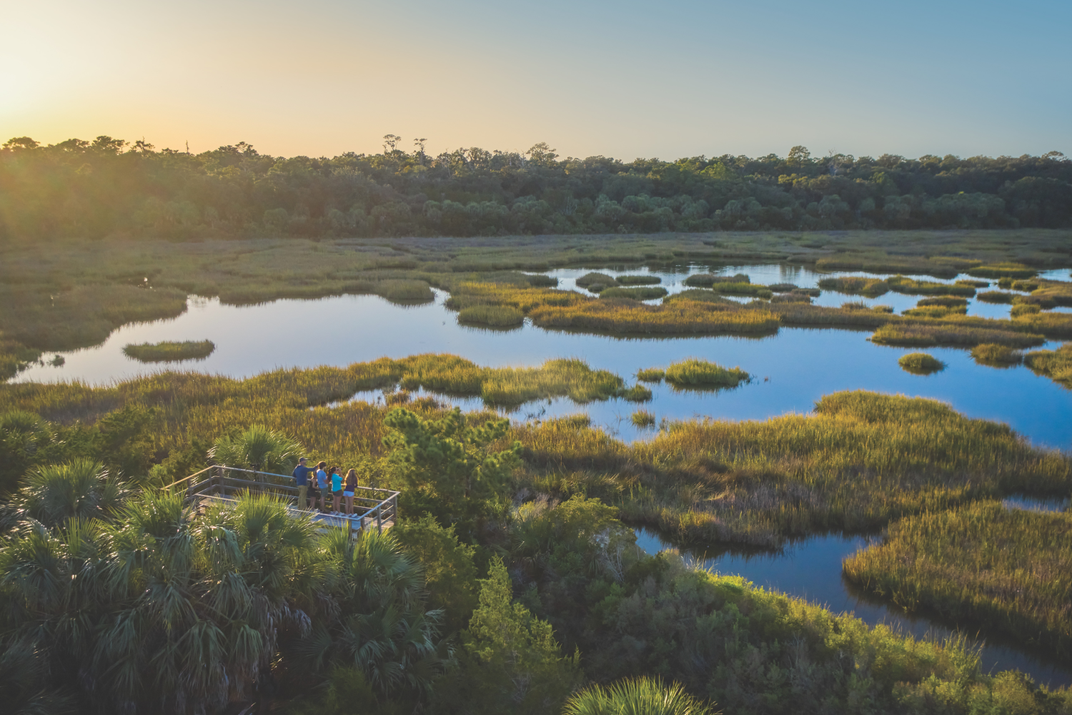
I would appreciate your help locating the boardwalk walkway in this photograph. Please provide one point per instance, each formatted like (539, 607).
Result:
(372, 507)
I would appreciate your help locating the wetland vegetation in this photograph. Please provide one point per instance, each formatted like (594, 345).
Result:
(515, 553)
(1010, 569)
(170, 351)
(920, 363)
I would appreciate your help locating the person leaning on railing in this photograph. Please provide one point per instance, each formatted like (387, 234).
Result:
(348, 490)
(301, 479)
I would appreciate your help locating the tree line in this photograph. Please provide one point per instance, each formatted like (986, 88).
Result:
(111, 187)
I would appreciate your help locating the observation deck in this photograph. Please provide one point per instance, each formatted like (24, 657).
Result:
(372, 507)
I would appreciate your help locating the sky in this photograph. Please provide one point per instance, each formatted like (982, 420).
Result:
(624, 79)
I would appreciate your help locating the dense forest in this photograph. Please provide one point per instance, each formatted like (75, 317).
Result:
(110, 187)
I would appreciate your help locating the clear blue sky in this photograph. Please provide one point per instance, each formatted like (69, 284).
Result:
(624, 79)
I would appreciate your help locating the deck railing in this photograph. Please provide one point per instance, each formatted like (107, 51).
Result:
(372, 506)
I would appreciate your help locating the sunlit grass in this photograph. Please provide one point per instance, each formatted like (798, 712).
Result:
(855, 285)
(170, 351)
(920, 363)
(995, 355)
(696, 374)
(1010, 569)
(495, 316)
(1054, 364)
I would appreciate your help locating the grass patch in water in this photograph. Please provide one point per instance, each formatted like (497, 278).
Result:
(1009, 569)
(493, 316)
(638, 280)
(920, 363)
(638, 293)
(404, 291)
(793, 296)
(996, 296)
(761, 482)
(951, 334)
(1002, 270)
(651, 374)
(911, 286)
(993, 355)
(642, 419)
(170, 351)
(935, 311)
(972, 283)
(1019, 309)
(595, 278)
(856, 285)
(945, 301)
(696, 374)
(706, 280)
(1054, 364)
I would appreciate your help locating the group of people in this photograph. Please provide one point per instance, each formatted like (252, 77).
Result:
(326, 486)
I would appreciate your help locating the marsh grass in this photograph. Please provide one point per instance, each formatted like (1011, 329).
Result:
(1047, 294)
(1002, 270)
(494, 316)
(603, 280)
(855, 285)
(696, 374)
(945, 301)
(1019, 309)
(994, 355)
(972, 283)
(707, 280)
(638, 293)
(911, 286)
(651, 374)
(1009, 570)
(881, 262)
(760, 482)
(170, 351)
(638, 280)
(642, 419)
(996, 296)
(935, 311)
(1054, 364)
(920, 363)
(404, 291)
(952, 334)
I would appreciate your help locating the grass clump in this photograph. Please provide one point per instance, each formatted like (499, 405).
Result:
(944, 301)
(972, 283)
(936, 311)
(911, 286)
(706, 280)
(1019, 309)
(640, 280)
(996, 296)
(639, 293)
(492, 316)
(920, 364)
(696, 374)
(596, 282)
(994, 355)
(651, 374)
(952, 334)
(404, 291)
(856, 285)
(642, 419)
(1054, 364)
(1005, 269)
(170, 351)
(1010, 569)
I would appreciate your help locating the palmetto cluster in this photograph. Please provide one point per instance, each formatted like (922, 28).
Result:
(125, 601)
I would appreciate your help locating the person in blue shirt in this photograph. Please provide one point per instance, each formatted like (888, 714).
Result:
(323, 485)
(301, 479)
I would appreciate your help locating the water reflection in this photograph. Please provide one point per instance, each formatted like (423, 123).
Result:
(811, 569)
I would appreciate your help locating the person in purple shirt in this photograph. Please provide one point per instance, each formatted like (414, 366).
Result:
(301, 479)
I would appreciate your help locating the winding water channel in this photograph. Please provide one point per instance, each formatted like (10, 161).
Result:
(792, 370)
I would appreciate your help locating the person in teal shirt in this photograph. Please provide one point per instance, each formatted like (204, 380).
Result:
(336, 489)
